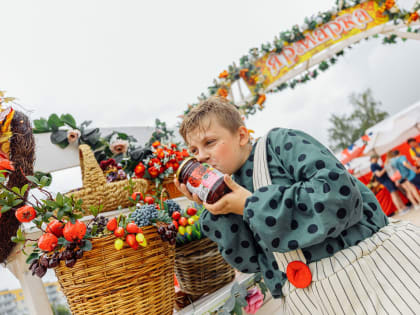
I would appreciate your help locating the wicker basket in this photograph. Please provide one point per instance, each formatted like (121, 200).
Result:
(128, 281)
(96, 190)
(200, 268)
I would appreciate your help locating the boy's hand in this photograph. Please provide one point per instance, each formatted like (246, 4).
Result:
(233, 202)
(182, 188)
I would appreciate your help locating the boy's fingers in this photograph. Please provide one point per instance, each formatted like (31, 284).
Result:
(196, 199)
(231, 183)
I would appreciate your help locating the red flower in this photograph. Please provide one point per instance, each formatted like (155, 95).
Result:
(153, 172)
(155, 144)
(139, 170)
(175, 166)
(185, 153)
(173, 146)
(160, 154)
(154, 161)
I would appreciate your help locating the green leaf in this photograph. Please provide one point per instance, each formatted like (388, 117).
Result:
(16, 190)
(68, 120)
(241, 301)
(87, 245)
(94, 210)
(33, 179)
(61, 240)
(59, 199)
(59, 137)
(237, 309)
(122, 136)
(31, 257)
(4, 209)
(72, 220)
(41, 125)
(24, 189)
(45, 181)
(14, 239)
(17, 202)
(54, 122)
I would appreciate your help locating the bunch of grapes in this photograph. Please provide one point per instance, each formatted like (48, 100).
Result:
(100, 222)
(168, 233)
(144, 215)
(172, 206)
(70, 255)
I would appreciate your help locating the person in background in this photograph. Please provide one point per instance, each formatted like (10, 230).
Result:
(414, 151)
(409, 179)
(382, 177)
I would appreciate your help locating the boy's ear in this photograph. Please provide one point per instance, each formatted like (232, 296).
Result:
(243, 135)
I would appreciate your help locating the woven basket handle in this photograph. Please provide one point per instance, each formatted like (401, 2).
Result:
(92, 174)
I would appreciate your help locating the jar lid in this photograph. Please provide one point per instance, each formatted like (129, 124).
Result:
(178, 172)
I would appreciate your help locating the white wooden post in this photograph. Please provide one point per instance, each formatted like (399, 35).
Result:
(36, 299)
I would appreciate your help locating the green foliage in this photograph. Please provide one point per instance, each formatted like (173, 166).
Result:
(346, 129)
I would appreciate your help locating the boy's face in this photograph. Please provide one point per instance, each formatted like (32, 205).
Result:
(374, 160)
(218, 146)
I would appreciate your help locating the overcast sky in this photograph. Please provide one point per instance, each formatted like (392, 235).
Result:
(125, 63)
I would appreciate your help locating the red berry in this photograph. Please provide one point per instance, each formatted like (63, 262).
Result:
(131, 241)
(176, 224)
(135, 194)
(176, 215)
(191, 211)
(55, 227)
(47, 242)
(112, 224)
(119, 232)
(25, 214)
(183, 221)
(149, 200)
(73, 232)
(132, 228)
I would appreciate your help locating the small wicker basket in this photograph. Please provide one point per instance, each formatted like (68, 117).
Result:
(96, 190)
(200, 268)
(128, 281)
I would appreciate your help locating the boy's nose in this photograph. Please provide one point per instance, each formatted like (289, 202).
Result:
(202, 158)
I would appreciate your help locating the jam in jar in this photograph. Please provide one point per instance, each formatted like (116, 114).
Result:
(203, 180)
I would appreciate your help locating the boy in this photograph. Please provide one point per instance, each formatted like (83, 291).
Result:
(317, 234)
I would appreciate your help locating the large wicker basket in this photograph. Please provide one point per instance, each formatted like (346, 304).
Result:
(128, 281)
(96, 190)
(200, 268)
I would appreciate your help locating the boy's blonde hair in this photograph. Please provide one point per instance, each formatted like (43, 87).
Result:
(218, 107)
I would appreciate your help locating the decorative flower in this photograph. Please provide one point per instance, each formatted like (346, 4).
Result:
(119, 146)
(261, 100)
(255, 299)
(224, 74)
(156, 144)
(242, 73)
(5, 164)
(413, 17)
(389, 4)
(222, 92)
(73, 135)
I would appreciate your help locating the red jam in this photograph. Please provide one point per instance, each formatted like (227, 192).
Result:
(203, 180)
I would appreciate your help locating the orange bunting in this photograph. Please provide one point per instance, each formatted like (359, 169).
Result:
(224, 74)
(222, 92)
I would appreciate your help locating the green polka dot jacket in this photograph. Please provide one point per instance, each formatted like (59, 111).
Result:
(313, 204)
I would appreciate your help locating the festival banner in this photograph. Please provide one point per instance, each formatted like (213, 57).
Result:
(344, 24)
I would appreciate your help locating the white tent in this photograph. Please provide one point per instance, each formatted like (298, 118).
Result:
(386, 135)
(393, 131)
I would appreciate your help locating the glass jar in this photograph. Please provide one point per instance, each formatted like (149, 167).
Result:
(203, 180)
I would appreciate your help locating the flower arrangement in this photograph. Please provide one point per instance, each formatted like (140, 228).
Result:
(161, 163)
